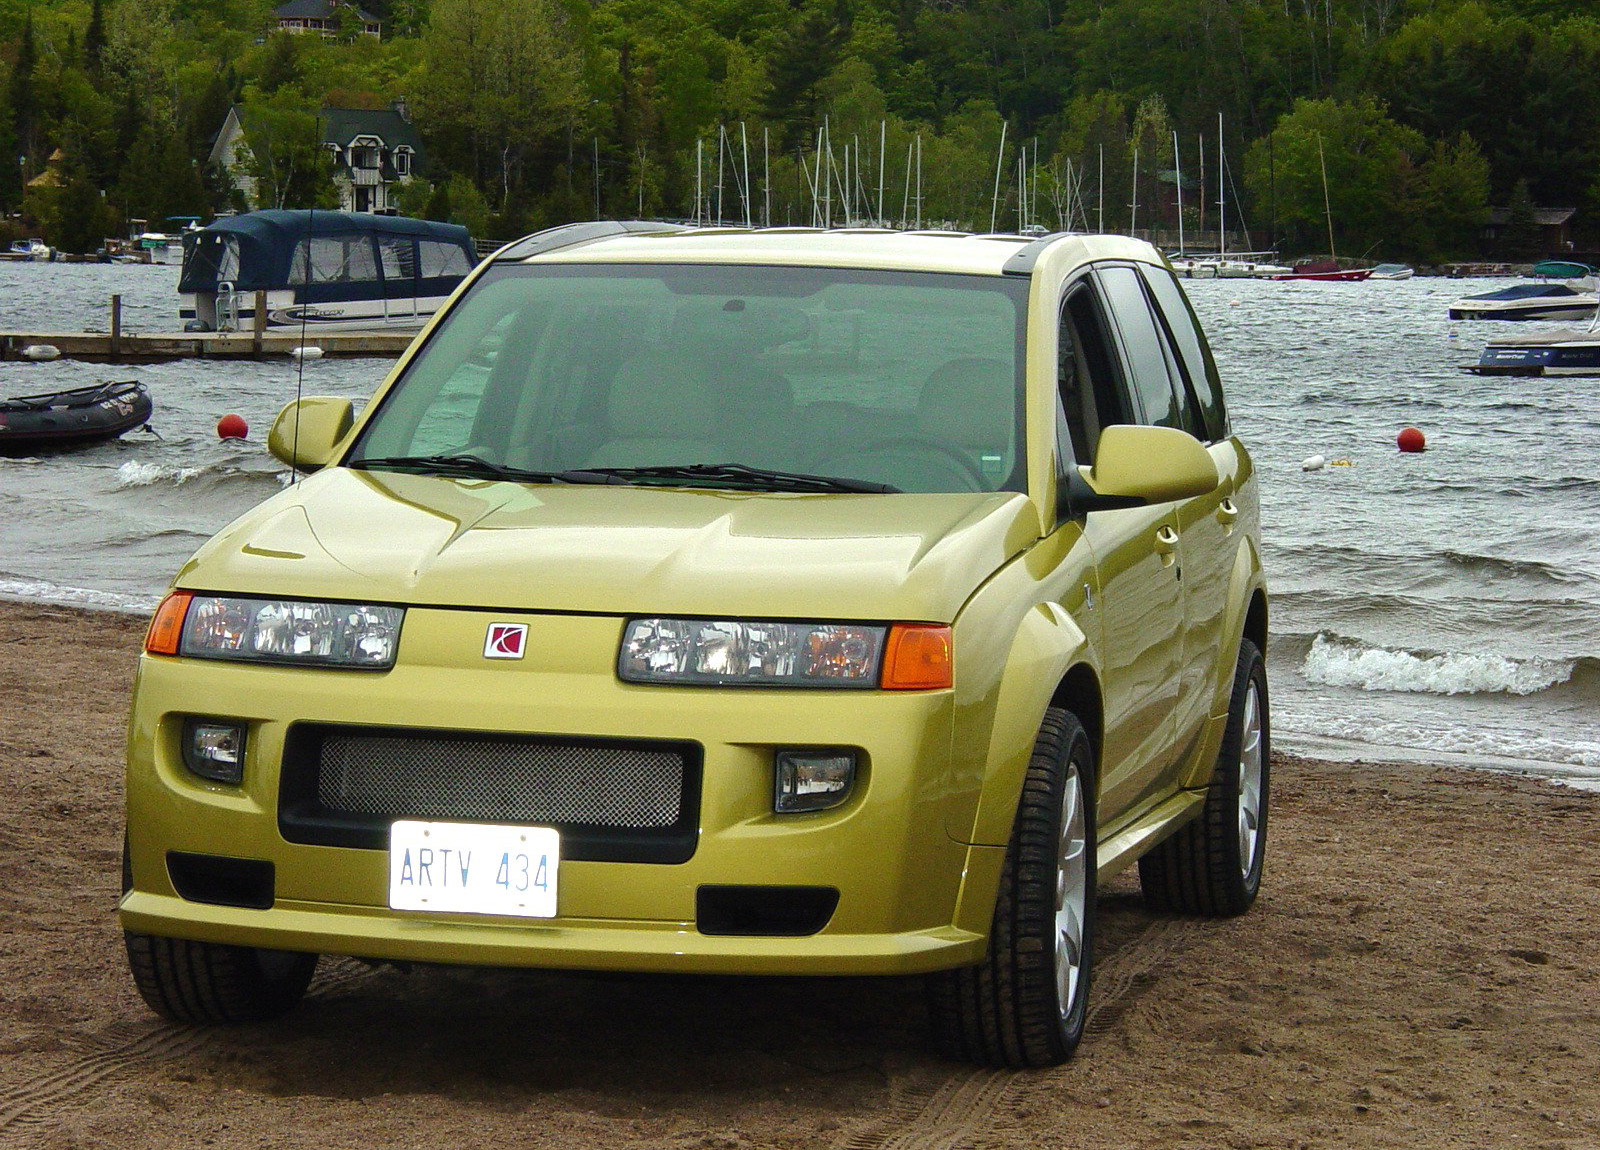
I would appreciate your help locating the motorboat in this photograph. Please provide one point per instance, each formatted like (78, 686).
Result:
(1249, 265)
(1393, 272)
(35, 250)
(325, 270)
(72, 417)
(160, 247)
(1543, 353)
(1327, 270)
(1194, 267)
(1526, 301)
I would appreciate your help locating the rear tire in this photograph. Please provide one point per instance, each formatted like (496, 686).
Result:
(1025, 1004)
(205, 983)
(1213, 866)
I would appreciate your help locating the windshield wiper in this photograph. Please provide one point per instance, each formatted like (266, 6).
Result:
(745, 477)
(468, 466)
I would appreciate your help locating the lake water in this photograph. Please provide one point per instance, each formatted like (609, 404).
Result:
(1434, 606)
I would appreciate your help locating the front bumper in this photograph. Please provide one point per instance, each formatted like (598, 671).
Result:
(910, 898)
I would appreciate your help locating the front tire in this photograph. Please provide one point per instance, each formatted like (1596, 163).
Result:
(1213, 866)
(205, 983)
(1025, 1005)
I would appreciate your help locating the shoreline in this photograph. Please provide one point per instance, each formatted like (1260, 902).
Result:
(1420, 971)
(1307, 746)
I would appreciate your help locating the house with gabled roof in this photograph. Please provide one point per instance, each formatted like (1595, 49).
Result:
(376, 151)
(322, 16)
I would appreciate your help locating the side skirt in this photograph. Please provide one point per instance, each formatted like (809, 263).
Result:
(1123, 848)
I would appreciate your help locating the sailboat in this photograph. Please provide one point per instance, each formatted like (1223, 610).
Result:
(1329, 268)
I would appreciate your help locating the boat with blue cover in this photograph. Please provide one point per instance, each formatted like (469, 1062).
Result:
(326, 270)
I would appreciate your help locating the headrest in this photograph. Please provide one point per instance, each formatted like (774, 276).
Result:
(970, 401)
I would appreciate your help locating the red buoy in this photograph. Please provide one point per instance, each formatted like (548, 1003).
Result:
(1411, 439)
(234, 427)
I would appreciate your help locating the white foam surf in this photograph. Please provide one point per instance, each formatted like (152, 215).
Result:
(1339, 664)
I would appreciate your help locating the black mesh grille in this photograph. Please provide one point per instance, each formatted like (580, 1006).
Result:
(611, 799)
(501, 781)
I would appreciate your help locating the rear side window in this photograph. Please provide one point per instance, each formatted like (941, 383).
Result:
(1150, 361)
(1193, 350)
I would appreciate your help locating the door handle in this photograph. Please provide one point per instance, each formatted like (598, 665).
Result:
(1167, 545)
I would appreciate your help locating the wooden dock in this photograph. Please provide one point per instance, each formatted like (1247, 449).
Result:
(119, 346)
(148, 347)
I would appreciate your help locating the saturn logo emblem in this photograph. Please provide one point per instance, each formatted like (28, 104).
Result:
(506, 641)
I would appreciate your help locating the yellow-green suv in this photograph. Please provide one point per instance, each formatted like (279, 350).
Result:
(760, 602)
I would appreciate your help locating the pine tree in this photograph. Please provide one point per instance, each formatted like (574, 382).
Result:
(94, 40)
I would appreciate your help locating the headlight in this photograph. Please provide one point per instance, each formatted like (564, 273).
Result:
(290, 631)
(727, 653)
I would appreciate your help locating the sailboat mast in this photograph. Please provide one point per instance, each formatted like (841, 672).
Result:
(1327, 207)
(1222, 194)
(999, 164)
(1133, 220)
(1177, 162)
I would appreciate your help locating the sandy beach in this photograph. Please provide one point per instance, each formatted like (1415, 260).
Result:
(1422, 970)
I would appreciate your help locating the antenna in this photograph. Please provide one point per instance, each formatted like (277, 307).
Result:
(305, 306)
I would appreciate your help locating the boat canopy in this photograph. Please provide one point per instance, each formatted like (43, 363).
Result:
(278, 248)
(1528, 291)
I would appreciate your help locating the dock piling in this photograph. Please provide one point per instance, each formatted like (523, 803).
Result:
(258, 324)
(116, 325)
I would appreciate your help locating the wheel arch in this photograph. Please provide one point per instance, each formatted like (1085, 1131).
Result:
(1049, 664)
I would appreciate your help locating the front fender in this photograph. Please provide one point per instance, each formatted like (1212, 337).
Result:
(1046, 644)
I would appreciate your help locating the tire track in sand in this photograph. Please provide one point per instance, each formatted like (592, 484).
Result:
(37, 1101)
(958, 1109)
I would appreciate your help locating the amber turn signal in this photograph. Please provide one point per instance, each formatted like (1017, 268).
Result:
(166, 629)
(917, 657)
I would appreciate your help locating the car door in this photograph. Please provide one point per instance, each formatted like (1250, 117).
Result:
(1134, 613)
(1208, 526)
(1200, 568)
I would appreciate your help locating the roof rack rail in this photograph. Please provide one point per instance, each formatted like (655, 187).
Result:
(570, 235)
(1022, 261)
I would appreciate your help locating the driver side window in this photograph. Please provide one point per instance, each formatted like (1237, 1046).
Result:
(1090, 390)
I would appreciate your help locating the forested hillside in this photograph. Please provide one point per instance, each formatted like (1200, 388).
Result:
(1426, 113)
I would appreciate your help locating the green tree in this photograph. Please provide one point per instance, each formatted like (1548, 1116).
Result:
(282, 154)
(499, 81)
(1368, 158)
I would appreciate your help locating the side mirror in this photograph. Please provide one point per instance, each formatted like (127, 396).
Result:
(306, 432)
(1136, 465)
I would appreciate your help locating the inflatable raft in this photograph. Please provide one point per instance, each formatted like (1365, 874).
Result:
(79, 415)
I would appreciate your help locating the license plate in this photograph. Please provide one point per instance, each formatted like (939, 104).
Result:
(473, 868)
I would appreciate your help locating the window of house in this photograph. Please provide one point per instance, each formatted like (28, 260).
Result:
(402, 161)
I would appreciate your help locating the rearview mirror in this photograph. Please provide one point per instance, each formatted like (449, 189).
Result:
(306, 431)
(1135, 465)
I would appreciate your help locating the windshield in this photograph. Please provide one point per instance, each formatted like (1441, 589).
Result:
(652, 372)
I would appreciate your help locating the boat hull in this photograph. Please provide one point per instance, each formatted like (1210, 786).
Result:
(1529, 311)
(1352, 275)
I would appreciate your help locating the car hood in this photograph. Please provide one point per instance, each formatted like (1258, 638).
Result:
(427, 540)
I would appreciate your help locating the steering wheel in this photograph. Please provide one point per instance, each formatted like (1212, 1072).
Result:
(919, 445)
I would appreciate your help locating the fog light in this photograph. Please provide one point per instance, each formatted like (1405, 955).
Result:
(214, 750)
(812, 780)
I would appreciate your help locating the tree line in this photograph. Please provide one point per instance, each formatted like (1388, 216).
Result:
(1425, 114)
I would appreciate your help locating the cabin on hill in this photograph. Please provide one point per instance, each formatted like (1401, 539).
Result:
(323, 16)
(375, 151)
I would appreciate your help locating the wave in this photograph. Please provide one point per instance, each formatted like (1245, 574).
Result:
(1504, 566)
(43, 591)
(136, 474)
(1336, 662)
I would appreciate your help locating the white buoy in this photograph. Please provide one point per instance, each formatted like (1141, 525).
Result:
(41, 352)
(306, 353)
(1315, 463)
